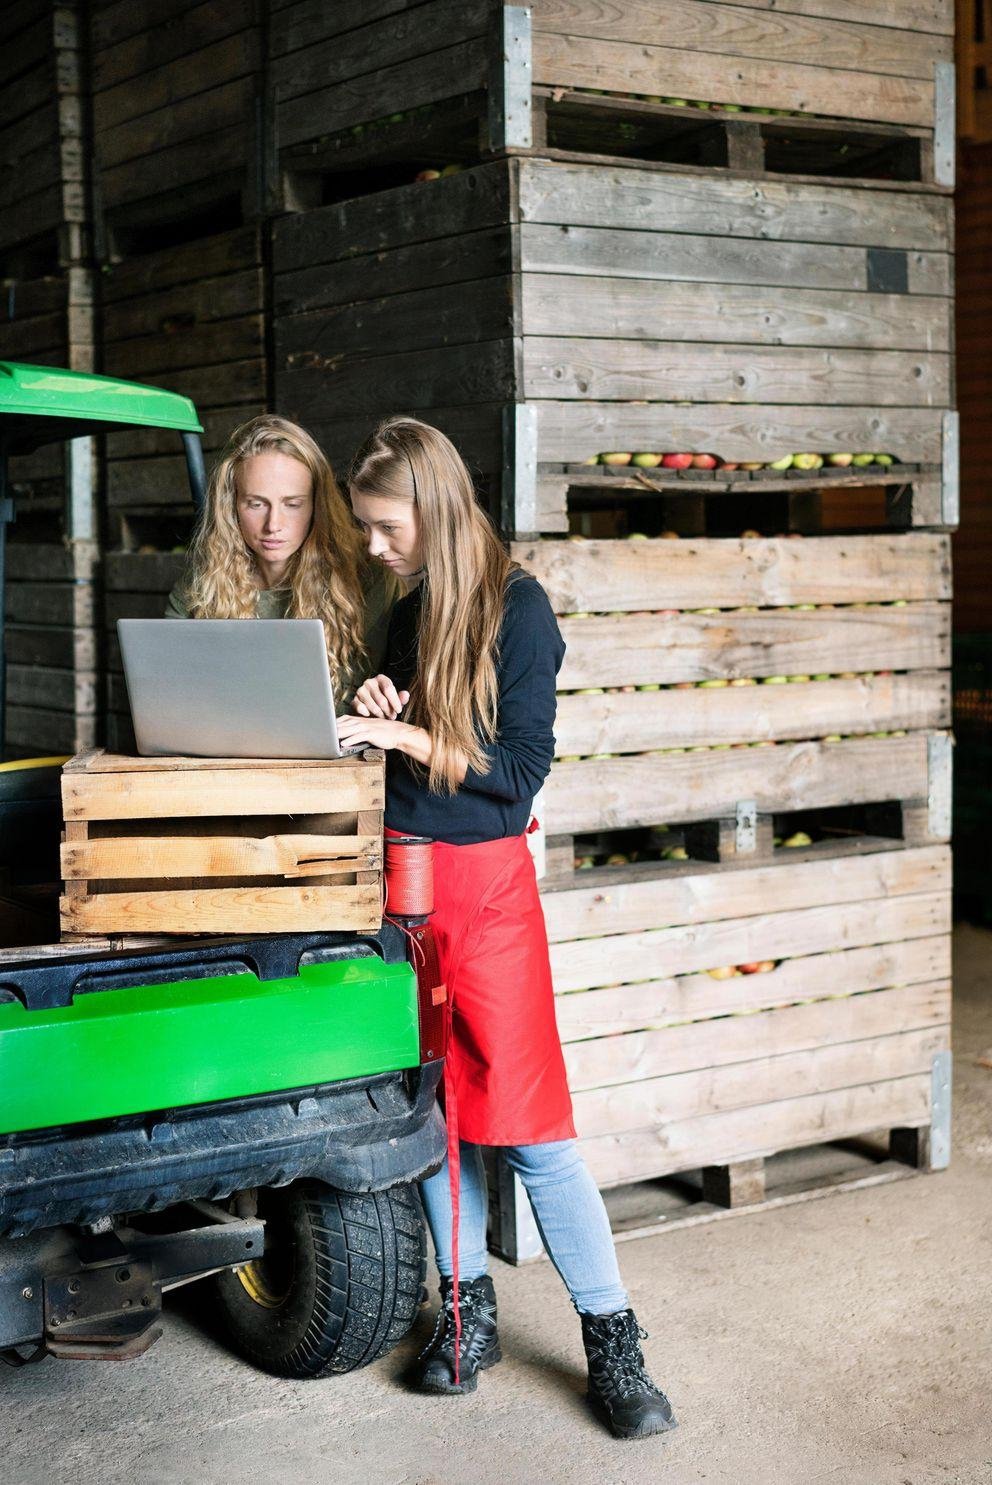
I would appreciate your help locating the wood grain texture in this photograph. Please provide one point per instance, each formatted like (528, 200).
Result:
(356, 909)
(140, 794)
(162, 856)
(608, 576)
(621, 903)
(584, 964)
(624, 792)
(624, 649)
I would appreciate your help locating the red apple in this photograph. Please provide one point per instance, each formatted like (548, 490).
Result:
(428, 175)
(676, 461)
(750, 969)
(704, 461)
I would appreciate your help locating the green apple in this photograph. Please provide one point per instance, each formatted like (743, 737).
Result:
(823, 676)
(590, 691)
(807, 461)
(646, 461)
(799, 838)
(451, 170)
(884, 459)
(724, 972)
(637, 536)
(784, 463)
(649, 687)
(833, 737)
(775, 680)
(861, 460)
(675, 853)
(795, 679)
(744, 680)
(615, 458)
(712, 684)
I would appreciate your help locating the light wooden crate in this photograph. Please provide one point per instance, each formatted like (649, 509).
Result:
(543, 312)
(650, 728)
(675, 1070)
(177, 110)
(873, 89)
(190, 846)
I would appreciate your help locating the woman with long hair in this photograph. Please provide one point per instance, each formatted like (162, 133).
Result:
(465, 708)
(276, 540)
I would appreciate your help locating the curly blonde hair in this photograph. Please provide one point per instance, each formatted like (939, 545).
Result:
(455, 693)
(325, 576)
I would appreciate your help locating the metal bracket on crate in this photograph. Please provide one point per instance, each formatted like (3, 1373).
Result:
(950, 491)
(746, 827)
(944, 114)
(940, 1110)
(519, 493)
(939, 784)
(510, 81)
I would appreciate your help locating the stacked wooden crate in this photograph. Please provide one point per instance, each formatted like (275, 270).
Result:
(740, 285)
(46, 317)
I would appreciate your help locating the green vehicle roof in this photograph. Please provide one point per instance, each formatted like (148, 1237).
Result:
(44, 404)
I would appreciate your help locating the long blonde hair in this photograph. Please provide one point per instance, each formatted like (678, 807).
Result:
(455, 693)
(324, 576)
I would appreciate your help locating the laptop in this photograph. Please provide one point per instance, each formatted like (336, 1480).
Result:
(230, 688)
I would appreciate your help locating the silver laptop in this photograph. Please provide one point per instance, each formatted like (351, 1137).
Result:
(230, 688)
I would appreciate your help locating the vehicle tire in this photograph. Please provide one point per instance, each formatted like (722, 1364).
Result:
(339, 1284)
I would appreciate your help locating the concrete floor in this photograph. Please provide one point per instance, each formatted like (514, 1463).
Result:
(847, 1340)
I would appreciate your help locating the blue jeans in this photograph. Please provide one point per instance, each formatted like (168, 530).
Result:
(568, 1208)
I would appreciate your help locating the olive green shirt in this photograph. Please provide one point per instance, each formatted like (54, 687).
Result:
(381, 591)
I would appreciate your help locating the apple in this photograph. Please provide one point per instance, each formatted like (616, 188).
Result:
(744, 680)
(651, 687)
(589, 691)
(177, 550)
(637, 536)
(669, 536)
(451, 170)
(428, 175)
(807, 461)
(839, 461)
(646, 461)
(795, 679)
(750, 968)
(884, 459)
(861, 460)
(592, 459)
(823, 676)
(704, 611)
(147, 550)
(704, 461)
(833, 737)
(676, 461)
(752, 464)
(798, 838)
(626, 690)
(614, 458)
(584, 863)
(710, 685)
(726, 465)
(675, 853)
(775, 680)
(676, 102)
(618, 859)
(683, 685)
(750, 535)
(784, 463)
(725, 972)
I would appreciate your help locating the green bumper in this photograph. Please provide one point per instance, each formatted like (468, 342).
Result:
(132, 1051)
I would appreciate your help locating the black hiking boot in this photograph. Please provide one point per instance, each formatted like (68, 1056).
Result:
(435, 1367)
(620, 1391)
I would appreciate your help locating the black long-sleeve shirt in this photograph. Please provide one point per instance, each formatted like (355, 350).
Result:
(493, 804)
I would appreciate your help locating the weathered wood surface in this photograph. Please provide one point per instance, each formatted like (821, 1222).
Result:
(610, 576)
(616, 1010)
(685, 1144)
(355, 908)
(619, 793)
(158, 856)
(618, 958)
(624, 649)
(624, 723)
(168, 789)
(656, 1102)
(629, 902)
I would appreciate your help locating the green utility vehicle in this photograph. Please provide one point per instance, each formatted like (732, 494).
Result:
(250, 1111)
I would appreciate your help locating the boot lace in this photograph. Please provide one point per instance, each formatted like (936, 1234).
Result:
(476, 1308)
(620, 1363)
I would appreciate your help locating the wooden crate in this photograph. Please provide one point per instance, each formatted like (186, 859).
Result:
(44, 212)
(188, 845)
(542, 313)
(646, 621)
(178, 110)
(136, 586)
(190, 318)
(843, 1033)
(973, 544)
(871, 89)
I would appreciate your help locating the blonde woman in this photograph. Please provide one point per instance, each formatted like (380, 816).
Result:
(277, 541)
(473, 653)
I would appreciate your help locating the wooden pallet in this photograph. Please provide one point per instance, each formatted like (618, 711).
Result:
(190, 845)
(543, 312)
(178, 115)
(574, 76)
(44, 210)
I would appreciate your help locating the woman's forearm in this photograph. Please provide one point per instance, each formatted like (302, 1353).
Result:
(417, 743)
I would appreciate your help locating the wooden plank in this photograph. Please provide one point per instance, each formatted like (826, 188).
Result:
(353, 909)
(103, 761)
(606, 904)
(45, 732)
(686, 1144)
(29, 644)
(170, 37)
(741, 30)
(711, 1044)
(133, 572)
(158, 856)
(623, 792)
(622, 958)
(186, 263)
(446, 72)
(572, 430)
(624, 649)
(621, 197)
(179, 311)
(653, 1004)
(607, 576)
(452, 314)
(570, 307)
(565, 61)
(220, 791)
(623, 723)
(183, 347)
(168, 82)
(215, 161)
(189, 119)
(448, 376)
(66, 690)
(659, 1101)
(653, 370)
(63, 604)
(935, 16)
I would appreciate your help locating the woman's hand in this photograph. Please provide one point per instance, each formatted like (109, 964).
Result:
(378, 697)
(383, 732)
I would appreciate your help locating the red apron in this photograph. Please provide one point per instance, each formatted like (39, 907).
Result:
(504, 1061)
